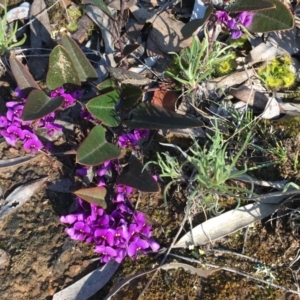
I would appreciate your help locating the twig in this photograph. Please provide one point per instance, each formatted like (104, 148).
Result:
(248, 276)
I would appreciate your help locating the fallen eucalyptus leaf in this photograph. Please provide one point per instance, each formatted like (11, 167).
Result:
(12, 162)
(89, 284)
(225, 224)
(20, 195)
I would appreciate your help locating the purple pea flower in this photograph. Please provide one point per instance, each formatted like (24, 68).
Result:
(140, 133)
(96, 212)
(29, 135)
(121, 253)
(235, 34)
(245, 18)
(127, 140)
(51, 127)
(104, 236)
(121, 235)
(82, 171)
(32, 145)
(127, 190)
(3, 121)
(137, 245)
(107, 253)
(222, 17)
(79, 231)
(12, 134)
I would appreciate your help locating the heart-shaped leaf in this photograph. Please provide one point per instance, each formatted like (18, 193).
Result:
(39, 105)
(250, 5)
(134, 176)
(103, 108)
(130, 95)
(279, 18)
(188, 29)
(61, 70)
(107, 85)
(81, 63)
(155, 117)
(94, 195)
(24, 79)
(95, 150)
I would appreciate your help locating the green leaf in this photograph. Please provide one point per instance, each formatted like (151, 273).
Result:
(94, 195)
(279, 18)
(61, 70)
(39, 105)
(155, 117)
(95, 150)
(102, 6)
(130, 95)
(249, 5)
(103, 108)
(83, 66)
(107, 85)
(134, 177)
(24, 79)
(188, 29)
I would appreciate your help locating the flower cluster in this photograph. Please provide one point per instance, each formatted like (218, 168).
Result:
(244, 18)
(115, 235)
(131, 139)
(14, 129)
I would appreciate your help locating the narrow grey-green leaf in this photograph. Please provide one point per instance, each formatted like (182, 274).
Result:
(279, 18)
(103, 108)
(95, 150)
(150, 116)
(61, 70)
(83, 66)
(94, 195)
(39, 105)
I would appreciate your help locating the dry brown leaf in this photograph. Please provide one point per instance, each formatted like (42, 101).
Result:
(230, 80)
(165, 99)
(250, 96)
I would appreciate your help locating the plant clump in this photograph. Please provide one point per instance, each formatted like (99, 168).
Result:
(278, 73)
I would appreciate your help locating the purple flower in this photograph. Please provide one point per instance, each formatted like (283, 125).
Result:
(121, 253)
(121, 236)
(106, 253)
(3, 121)
(136, 246)
(222, 17)
(104, 236)
(70, 98)
(96, 212)
(32, 145)
(140, 133)
(127, 190)
(19, 93)
(235, 34)
(29, 135)
(51, 127)
(82, 171)
(12, 134)
(246, 18)
(79, 231)
(127, 140)
(231, 24)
